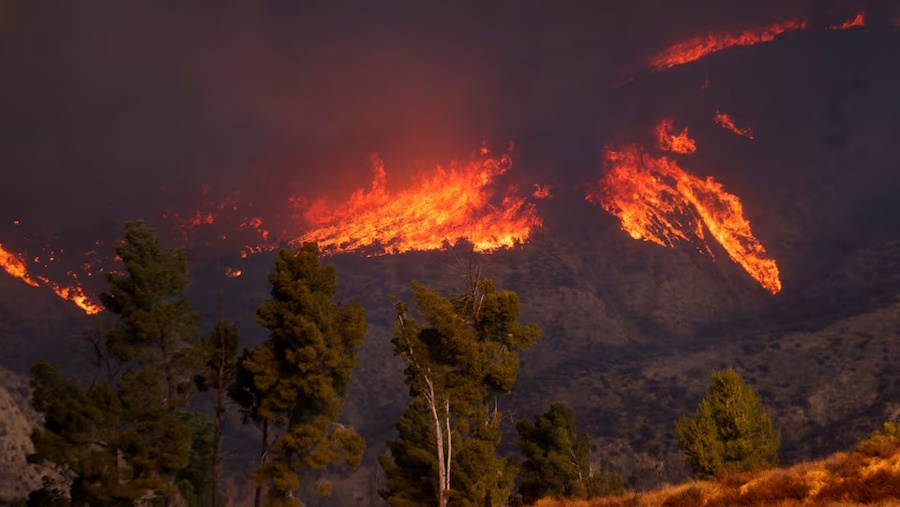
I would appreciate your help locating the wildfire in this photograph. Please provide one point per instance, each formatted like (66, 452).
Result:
(233, 273)
(453, 203)
(15, 266)
(541, 192)
(677, 143)
(726, 121)
(657, 201)
(858, 20)
(702, 45)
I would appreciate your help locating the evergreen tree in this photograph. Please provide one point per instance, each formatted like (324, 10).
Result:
(79, 438)
(730, 431)
(127, 437)
(222, 346)
(248, 397)
(558, 459)
(301, 373)
(459, 359)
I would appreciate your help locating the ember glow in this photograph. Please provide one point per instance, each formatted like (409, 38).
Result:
(657, 201)
(726, 121)
(541, 191)
(16, 267)
(677, 143)
(703, 45)
(856, 21)
(438, 210)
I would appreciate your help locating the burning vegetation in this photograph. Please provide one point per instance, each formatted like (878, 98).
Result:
(15, 266)
(676, 143)
(726, 121)
(703, 45)
(657, 201)
(450, 204)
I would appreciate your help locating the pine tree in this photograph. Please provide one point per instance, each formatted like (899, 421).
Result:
(463, 355)
(156, 334)
(127, 436)
(558, 459)
(730, 431)
(301, 373)
(222, 346)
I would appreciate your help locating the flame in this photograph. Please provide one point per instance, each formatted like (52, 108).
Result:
(15, 266)
(858, 20)
(702, 45)
(657, 201)
(726, 121)
(438, 210)
(233, 273)
(677, 143)
(541, 191)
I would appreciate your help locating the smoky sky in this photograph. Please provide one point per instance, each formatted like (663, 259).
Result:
(112, 110)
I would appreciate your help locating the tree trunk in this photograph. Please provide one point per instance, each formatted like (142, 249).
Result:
(257, 500)
(217, 431)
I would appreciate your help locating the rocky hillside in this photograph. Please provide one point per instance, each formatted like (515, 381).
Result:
(17, 478)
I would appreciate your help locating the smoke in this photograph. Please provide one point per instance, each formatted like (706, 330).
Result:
(115, 111)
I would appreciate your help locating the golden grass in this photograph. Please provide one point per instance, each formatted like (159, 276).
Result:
(870, 477)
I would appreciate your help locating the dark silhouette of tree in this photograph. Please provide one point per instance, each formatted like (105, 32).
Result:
(558, 459)
(730, 431)
(222, 346)
(128, 436)
(301, 373)
(462, 355)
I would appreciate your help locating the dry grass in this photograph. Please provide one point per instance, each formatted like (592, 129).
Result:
(870, 476)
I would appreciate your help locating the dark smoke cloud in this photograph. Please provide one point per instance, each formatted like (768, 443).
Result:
(104, 103)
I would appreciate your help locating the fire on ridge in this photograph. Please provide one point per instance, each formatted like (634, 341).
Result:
(857, 21)
(658, 201)
(438, 210)
(15, 266)
(699, 46)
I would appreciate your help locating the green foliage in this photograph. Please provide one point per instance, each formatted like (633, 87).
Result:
(298, 378)
(156, 333)
(462, 355)
(194, 480)
(730, 431)
(558, 459)
(125, 437)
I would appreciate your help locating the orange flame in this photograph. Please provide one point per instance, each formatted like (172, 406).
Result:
(858, 20)
(541, 191)
(703, 45)
(726, 121)
(15, 266)
(657, 201)
(436, 211)
(233, 273)
(677, 143)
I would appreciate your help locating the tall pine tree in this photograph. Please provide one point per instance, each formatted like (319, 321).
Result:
(301, 373)
(127, 436)
(461, 356)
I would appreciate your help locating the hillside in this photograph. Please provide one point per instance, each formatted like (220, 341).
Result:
(868, 477)
(632, 329)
